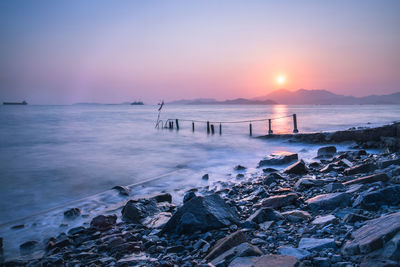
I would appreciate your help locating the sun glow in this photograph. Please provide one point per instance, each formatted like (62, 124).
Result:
(280, 79)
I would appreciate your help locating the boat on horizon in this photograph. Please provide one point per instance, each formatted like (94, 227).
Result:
(16, 103)
(137, 103)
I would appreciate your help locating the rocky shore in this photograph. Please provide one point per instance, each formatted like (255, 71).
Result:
(341, 209)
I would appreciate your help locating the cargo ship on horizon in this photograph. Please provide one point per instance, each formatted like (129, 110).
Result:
(16, 103)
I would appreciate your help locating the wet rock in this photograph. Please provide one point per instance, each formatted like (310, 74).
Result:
(136, 210)
(316, 244)
(157, 220)
(266, 170)
(296, 215)
(28, 245)
(72, 213)
(278, 159)
(332, 187)
(205, 177)
(373, 200)
(201, 214)
(166, 197)
(323, 220)
(103, 223)
(305, 183)
(373, 234)
(122, 190)
(265, 214)
(391, 249)
(240, 168)
(386, 163)
(1, 243)
(272, 178)
(188, 196)
(326, 151)
(297, 168)
(300, 254)
(19, 226)
(329, 201)
(76, 230)
(225, 244)
(279, 201)
(352, 218)
(242, 250)
(379, 177)
(362, 168)
(276, 260)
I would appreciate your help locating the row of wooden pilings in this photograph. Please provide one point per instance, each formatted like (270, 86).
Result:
(211, 128)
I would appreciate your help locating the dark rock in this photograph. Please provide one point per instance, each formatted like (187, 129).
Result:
(391, 249)
(76, 230)
(352, 218)
(205, 177)
(19, 226)
(362, 168)
(242, 262)
(332, 187)
(278, 159)
(188, 196)
(103, 223)
(136, 210)
(296, 215)
(271, 178)
(316, 244)
(242, 250)
(300, 254)
(201, 214)
(373, 234)
(175, 249)
(249, 225)
(226, 243)
(240, 168)
(322, 262)
(305, 183)
(166, 197)
(28, 245)
(386, 163)
(269, 170)
(379, 177)
(326, 151)
(373, 200)
(279, 201)
(323, 220)
(297, 168)
(276, 260)
(122, 190)
(265, 214)
(329, 201)
(72, 213)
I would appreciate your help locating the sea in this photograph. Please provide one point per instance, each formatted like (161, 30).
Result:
(55, 157)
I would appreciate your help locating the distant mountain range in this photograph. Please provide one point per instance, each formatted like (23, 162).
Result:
(299, 97)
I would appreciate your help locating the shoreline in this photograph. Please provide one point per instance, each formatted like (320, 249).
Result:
(288, 200)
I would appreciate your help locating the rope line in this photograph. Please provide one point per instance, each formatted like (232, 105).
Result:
(242, 121)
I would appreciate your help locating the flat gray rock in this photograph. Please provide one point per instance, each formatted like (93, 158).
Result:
(322, 220)
(316, 244)
(329, 201)
(295, 252)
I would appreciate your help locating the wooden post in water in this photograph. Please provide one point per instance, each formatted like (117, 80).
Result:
(295, 130)
(251, 129)
(172, 125)
(192, 126)
(269, 127)
(208, 127)
(212, 128)
(220, 129)
(169, 124)
(177, 124)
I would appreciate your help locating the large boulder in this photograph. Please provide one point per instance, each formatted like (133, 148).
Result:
(329, 201)
(201, 214)
(379, 177)
(373, 235)
(278, 159)
(225, 244)
(279, 201)
(326, 151)
(297, 168)
(137, 210)
(373, 200)
(103, 223)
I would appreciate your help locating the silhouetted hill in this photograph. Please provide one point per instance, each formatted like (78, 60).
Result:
(324, 97)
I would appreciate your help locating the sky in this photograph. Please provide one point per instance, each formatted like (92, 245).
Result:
(68, 51)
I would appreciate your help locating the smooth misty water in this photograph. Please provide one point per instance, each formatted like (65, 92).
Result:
(52, 155)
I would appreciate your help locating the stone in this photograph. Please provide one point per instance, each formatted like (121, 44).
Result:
(1, 243)
(386, 163)
(122, 190)
(279, 159)
(242, 250)
(391, 249)
(332, 187)
(323, 220)
(321, 262)
(76, 230)
(379, 177)
(243, 262)
(352, 218)
(347, 163)
(28, 245)
(373, 200)
(329, 201)
(305, 183)
(300, 254)
(279, 201)
(157, 220)
(276, 260)
(72, 213)
(239, 168)
(166, 197)
(201, 214)
(103, 223)
(361, 168)
(188, 196)
(136, 210)
(296, 215)
(316, 244)
(266, 225)
(373, 234)
(205, 177)
(265, 214)
(297, 168)
(326, 151)
(226, 243)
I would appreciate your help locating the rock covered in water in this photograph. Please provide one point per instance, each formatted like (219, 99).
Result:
(188, 196)
(201, 214)
(326, 151)
(122, 190)
(103, 223)
(166, 197)
(72, 213)
(329, 201)
(297, 168)
(205, 177)
(279, 159)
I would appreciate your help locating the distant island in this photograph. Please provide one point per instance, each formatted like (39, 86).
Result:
(299, 97)
(137, 103)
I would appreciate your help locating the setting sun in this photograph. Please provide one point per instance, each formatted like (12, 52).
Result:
(280, 79)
